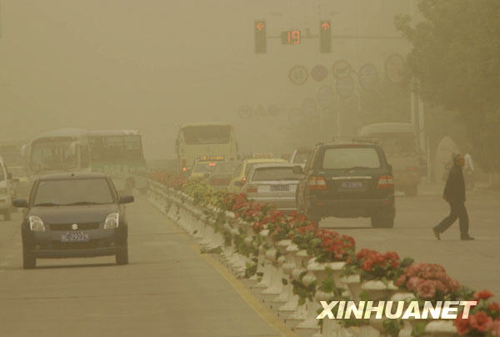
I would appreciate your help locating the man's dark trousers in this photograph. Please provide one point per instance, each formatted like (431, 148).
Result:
(459, 211)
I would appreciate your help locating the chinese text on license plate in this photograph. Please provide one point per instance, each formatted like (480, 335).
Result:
(352, 184)
(75, 237)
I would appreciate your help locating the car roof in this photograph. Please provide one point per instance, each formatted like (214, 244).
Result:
(263, 165)
(265, 160)
(62, 176)
(350, 143)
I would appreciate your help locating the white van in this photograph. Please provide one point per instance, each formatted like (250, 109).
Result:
(399, 142)
(5, 190)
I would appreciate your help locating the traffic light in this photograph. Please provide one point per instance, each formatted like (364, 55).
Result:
(260, 37)
(325, 36)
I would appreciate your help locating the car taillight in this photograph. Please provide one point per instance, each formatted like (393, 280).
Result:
(317, 184)
(411, 168)
(251, 189)
(385, 183)
(184, 169)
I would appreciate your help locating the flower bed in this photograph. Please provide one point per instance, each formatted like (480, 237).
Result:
(427, 282)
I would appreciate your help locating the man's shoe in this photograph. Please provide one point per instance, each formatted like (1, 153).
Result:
(436, 233)
(467, 238)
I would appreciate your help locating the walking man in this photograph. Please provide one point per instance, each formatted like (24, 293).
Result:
(454, 194)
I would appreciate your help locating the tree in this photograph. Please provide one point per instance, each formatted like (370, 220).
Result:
(455, 59)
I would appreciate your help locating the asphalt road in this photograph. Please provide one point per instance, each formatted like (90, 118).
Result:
(170, 289)
(473, 263)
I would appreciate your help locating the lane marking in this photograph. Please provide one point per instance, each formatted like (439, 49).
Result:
(258, 307)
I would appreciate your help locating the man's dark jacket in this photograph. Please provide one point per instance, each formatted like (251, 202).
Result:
(454, 191)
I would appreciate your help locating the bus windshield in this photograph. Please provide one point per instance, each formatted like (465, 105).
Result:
(207, 134)
(397, 143)
(57, 154)
(116, 149)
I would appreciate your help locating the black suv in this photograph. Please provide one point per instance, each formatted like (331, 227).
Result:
(347, 179)
(74, 215)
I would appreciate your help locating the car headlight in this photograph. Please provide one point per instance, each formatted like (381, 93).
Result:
(112, 221)
(36, 224)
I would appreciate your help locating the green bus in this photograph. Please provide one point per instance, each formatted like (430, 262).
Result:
(119, 154)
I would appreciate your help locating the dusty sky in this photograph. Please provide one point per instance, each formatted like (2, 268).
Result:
(151, 65)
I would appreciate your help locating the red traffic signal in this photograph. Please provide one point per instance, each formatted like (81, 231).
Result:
(260, 37)
(325, 36)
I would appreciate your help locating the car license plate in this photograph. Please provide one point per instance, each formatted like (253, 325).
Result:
(75, 237)
(280, 188)
(352, 185)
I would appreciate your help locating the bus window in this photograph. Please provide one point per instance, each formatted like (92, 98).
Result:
(214, 134)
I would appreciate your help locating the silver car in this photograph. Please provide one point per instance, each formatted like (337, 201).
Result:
(273, 183)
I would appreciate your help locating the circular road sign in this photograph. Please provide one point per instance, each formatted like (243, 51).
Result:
(368, 76)
(309, 106)
(294, 116)
(325, 96)
(273, 110)
(245, 111)
(341, 69)
(319, 73)
(298, 75)
(394, 66)
(345, 87)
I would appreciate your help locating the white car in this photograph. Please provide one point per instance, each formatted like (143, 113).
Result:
(273, 183)
(5, 190)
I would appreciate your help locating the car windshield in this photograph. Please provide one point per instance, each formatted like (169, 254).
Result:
(274, 174)
(204, 168)
(17, 171)
(250, 165)
(350, 157)
(301, 157)
(73, 192)
(226, 167)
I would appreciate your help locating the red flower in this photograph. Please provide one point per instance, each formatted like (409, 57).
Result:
(494, 306)
(482, 295)
(426, 289)
(462, 325)
(413, 283)
(400, 281)
(480, 321)
(495, 328)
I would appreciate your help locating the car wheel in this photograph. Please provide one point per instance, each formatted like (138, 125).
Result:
(122, 256)
(29, 260)
(411, 191)
(311, 216)
(6, 215)
(382, 221)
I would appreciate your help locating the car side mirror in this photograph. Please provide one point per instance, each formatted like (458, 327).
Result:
(16, 180)
(297, 169)
(21, 203)
(9, 176)
(126, 199)
(238, 183)
(390, 167)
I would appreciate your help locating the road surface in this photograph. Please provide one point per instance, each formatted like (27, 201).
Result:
(170, 289)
